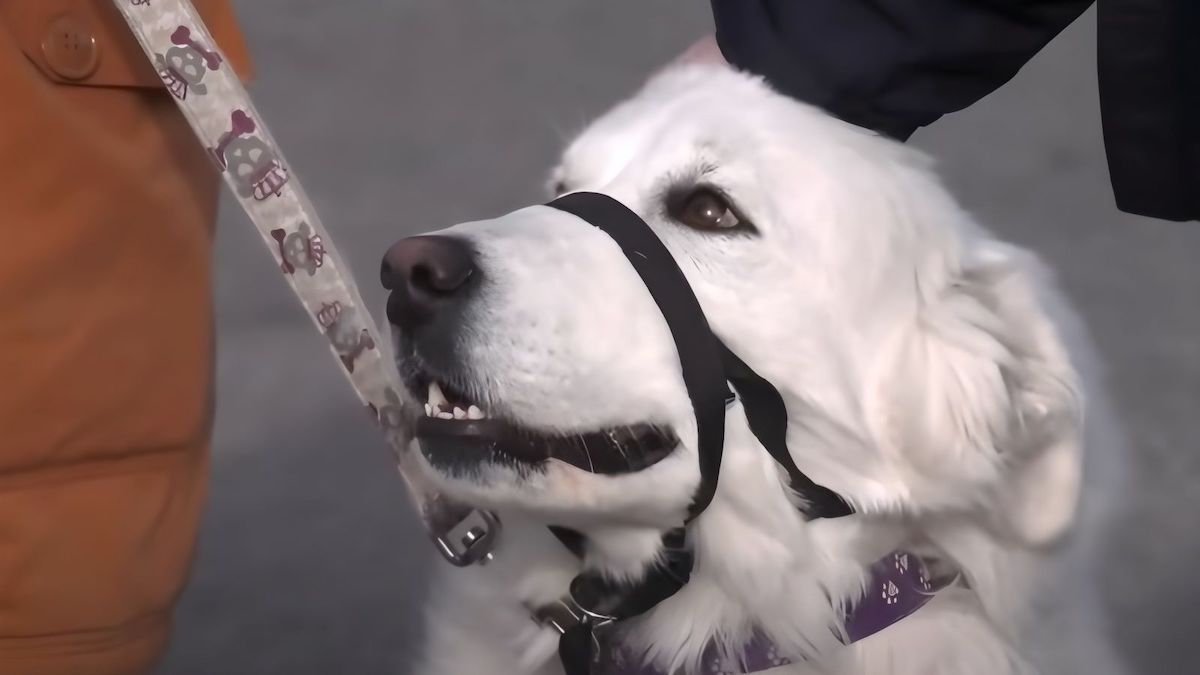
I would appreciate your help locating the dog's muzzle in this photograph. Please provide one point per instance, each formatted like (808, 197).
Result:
(430, 278)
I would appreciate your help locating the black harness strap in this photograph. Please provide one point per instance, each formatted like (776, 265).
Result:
(602, 603)
(699, 351)
(767, 417)
(571, 540)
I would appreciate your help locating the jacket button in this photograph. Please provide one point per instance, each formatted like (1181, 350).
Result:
(70, 48)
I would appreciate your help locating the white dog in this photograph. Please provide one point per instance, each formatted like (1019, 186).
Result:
(928, 370)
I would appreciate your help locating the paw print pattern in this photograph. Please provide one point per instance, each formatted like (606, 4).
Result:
(903, 563)
(774, 658)
(724, 665)
(923, 580)
(901, 584)
(757, 654)
(890, 592)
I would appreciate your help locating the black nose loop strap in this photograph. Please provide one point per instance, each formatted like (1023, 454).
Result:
(699, 351)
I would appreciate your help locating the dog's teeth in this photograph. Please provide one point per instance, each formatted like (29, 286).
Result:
(436, 397)
(474, 413)
(460, 414)
(445, 416)
(428, 410)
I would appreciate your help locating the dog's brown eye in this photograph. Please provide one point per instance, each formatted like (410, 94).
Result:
(705, 209)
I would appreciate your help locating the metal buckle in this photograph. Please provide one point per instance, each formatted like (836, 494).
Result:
(561, 615)
(566, 613)
(468, 540)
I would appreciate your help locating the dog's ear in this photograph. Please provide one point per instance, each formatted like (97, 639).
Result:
(984, 407)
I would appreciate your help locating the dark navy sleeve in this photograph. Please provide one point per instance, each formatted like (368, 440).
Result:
(888, 65)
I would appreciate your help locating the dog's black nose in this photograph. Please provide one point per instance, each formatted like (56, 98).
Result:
(424, 274)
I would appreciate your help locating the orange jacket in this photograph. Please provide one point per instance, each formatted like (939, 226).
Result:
(107, 206)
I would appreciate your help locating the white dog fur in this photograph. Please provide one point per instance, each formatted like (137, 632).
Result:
(929, 370)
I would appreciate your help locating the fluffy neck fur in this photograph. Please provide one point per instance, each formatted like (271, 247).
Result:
(759, 564)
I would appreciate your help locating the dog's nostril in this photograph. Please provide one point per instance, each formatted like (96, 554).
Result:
(423, 272)
(439, 279)
(429, 263)
(422, 279)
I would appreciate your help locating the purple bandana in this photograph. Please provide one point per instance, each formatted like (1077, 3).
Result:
(898, 585)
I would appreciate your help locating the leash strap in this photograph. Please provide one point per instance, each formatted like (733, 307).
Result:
(220, 112)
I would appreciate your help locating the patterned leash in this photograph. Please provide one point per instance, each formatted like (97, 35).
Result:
(220, 112)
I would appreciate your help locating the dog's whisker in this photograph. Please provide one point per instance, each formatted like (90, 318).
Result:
(617, 444)
(587, 453)
(591, 464)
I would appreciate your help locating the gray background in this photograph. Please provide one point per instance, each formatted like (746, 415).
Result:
(404, 116)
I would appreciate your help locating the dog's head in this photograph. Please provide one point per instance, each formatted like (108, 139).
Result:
(920, 370)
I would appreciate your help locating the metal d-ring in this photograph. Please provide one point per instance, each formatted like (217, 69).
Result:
(469, 541)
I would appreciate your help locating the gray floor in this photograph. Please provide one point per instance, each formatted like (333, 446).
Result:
(310, 562)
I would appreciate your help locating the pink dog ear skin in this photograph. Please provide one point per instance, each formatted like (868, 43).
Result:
(704, 50)
(701, 52)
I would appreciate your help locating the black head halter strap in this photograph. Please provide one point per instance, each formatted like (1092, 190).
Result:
(699, 351)
(708, 365)
(708, 368)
